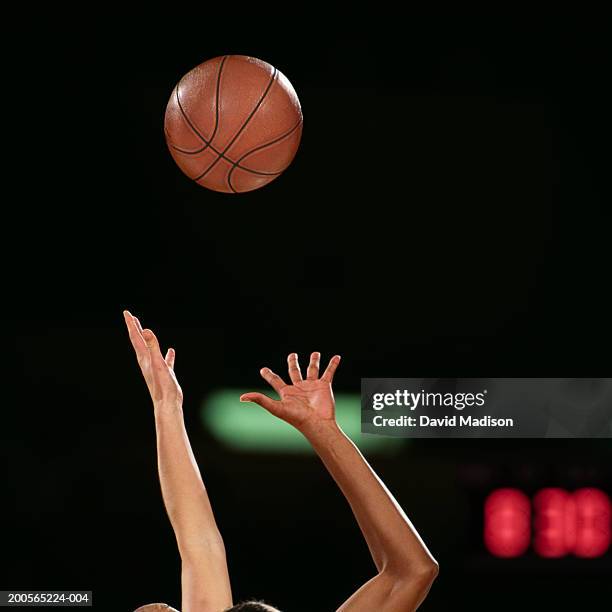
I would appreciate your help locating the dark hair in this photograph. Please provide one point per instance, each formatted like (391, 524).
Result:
(252, 606)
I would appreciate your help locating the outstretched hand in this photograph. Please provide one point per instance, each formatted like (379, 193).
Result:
(157, 371)
(304, 402)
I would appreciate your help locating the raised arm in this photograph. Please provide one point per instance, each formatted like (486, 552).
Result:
(204, 577)
(405, 567)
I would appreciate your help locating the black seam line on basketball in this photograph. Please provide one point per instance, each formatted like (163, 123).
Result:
(207, 143)
(233, 140)
(254, 150)
(192, 125)
(266, 144)
(263, 146)
(231, 161)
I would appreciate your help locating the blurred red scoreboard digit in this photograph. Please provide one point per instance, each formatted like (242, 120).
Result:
(554, 522)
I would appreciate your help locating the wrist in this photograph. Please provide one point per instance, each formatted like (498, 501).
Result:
(323, 431)
(167, 410)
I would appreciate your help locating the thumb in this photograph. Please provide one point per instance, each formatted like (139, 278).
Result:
(263, 400)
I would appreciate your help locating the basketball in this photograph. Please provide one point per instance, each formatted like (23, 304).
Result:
(233, 123)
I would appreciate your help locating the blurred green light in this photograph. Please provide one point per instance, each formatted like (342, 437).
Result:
(248, 427)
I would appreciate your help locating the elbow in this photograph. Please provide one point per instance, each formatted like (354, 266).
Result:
(429, 572)
(414, 583)
(422, 574)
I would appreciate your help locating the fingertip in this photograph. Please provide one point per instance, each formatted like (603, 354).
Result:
(244, 398)
(263, 371)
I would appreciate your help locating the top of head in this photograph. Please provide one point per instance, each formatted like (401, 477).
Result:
(252, 606)
(247, 606)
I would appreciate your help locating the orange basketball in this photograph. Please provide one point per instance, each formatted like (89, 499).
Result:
(233, 123)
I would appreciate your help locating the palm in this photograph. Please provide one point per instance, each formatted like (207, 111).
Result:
(303, 401)
(308, 399)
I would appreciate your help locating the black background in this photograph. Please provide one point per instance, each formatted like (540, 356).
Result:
(444, 216)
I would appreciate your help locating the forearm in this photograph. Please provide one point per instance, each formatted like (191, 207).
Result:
(183, 490)
(394, 544)
(204, 577)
